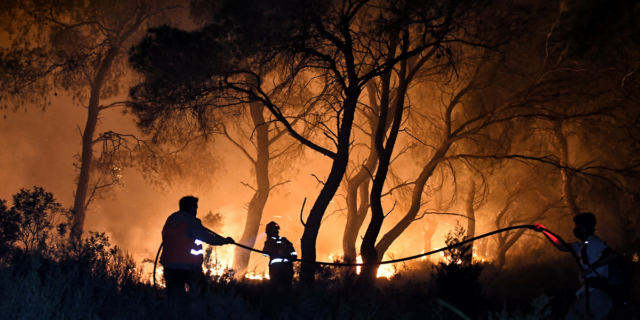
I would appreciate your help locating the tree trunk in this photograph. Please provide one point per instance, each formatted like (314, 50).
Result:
(416, 200)
(567, 179)
(355, 219)
(429, 231)
(471, 213)
(368, 248)
(82, 188)
(259, 199)
(338, 168)
(360, 182)
(506, 243)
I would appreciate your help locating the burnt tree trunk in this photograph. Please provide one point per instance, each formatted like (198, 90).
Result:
(260, 197)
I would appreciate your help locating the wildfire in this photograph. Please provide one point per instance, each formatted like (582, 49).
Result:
(384, 271)
(256, 276)
(218, 269)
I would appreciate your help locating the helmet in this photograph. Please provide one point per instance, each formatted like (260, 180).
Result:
(272, 226)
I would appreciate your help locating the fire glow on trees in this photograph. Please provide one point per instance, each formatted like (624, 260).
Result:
(469, 121)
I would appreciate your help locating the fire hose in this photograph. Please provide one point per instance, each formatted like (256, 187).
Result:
(340, 264)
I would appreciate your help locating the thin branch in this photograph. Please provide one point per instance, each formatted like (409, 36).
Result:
(301, 211)
(318, 179)
(248, 186)
(279, 184)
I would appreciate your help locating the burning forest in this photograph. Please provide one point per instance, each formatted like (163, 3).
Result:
(369, 159)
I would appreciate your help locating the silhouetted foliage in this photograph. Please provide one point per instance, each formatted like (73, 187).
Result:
(35, 213)
(214, 221)
(457, 279)
(9, 227)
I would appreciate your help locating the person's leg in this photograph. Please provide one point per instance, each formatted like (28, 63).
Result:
(273, 278)
(287, 280)
(600, 304)
(197, 280)
(175, 279)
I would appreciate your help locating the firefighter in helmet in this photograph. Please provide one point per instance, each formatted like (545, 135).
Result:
(182, 238)
(281, 256)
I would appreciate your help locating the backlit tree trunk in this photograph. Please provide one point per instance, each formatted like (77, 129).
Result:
(505, 243)
(355, 217)
(338, 168)
(471, 213)
(260, 197)
(130, 25)
(82, 188)
(429, 231)
(368, 249)
(360, 182)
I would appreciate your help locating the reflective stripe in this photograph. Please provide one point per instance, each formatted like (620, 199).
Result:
(294, 253)
(278, 241)
(264, 254)
(197, 252)
(198, 242)
(275, 261)
(285, 260)
(273, 238)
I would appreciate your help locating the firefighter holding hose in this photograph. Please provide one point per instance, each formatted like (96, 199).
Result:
(281, 256)
(595, 257)
(182, 238)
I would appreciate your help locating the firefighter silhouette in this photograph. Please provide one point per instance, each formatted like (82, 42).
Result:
(281, 255)
(182, 238)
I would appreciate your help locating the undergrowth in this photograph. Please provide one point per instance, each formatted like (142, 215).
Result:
(99, 281)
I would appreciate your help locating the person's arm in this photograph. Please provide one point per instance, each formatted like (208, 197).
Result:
(556, 242)
(195, 230)
(267, 248)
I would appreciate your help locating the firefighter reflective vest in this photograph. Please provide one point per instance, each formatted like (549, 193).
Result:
(280, 249)
(178, 248)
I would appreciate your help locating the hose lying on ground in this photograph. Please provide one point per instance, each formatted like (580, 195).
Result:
(339, 264)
